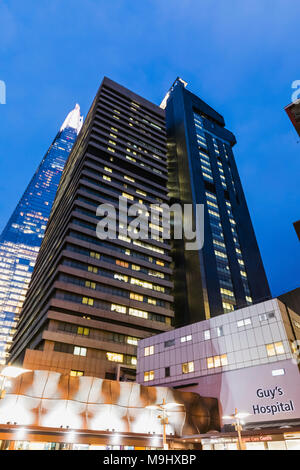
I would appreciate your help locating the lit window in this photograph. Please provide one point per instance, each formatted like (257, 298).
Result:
(220, 331)
(118, 308)
(207, 335)
(135, 267)
(124, 264)
(278, 372)
(138, 297)
(76, 373)
(79, 351)
(83, 331)
(114, 357)
(246, 321)
(95, 255)
(275, 348)
(90, 284)
(93, 269)
(188, 367)
(148, 376)
(183, 339)
(128, 178)
(217, 361)
(160, 263)
(227, 292)
(228, 307)
(121, 277)
(149, 350)
(132, 340)
(138, 313)
(87, 301)
(128, 196)
(107, 178)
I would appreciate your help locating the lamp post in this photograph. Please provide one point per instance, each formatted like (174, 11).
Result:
(9, 372)
(163, 408)
(237, 421)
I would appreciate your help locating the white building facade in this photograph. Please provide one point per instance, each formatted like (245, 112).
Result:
(247, 359)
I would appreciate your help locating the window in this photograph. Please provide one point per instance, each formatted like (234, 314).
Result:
(79, 351)
(132, 340)
(227, 292)
(167, 372)
(87, 301)
(83, 331)
(128, 178)
(206, 335)
(188, 367)
(275, 348)
(297, 324)
(148, 351)
(245, 322)
(220, 331)
(266, 316)
(93, 269)
(160, 263)
(121, 277)
(135, 267)
(128, 196)
(138, 297)
(90, 284)
(95, 255)
(228, 307)
(76, 373)
(138, 313)
(148, 376)
(138, 282)
(122, 263)
(277, 372)
(217, 361)
(169, 343)
(114, 357)
(118, 308)
(183, 339)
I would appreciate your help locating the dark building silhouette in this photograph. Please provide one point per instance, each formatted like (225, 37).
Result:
(228, 272)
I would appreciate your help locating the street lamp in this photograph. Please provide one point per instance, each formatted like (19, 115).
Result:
(9, 372)
(163, 408)
(237, 419)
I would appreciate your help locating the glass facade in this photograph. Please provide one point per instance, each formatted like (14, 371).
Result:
(227, 272)
(22, 236)
(220, 249)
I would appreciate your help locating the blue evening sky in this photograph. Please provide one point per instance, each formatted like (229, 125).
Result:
(241, 56)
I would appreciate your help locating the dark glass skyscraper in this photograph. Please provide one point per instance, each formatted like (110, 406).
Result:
(22, 236)
(228, 272)
(90, 300)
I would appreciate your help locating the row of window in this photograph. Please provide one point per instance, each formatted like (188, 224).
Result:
(117, 248)
(215, 362)
(91, 302)
(103, 335)
(149, 350)
(80, 351)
